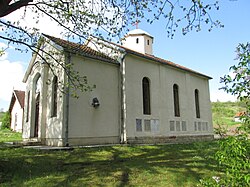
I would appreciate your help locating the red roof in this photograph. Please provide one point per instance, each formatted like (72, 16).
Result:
(89, 52)
(19, 96)
(240, 114)
(80, 49)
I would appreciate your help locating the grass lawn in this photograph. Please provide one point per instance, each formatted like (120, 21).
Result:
(147, 165)
(9, 136)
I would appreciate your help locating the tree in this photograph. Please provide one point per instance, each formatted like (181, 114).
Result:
(6, 121)
(80, 19)
(107, 19)
(237, 83)
(234, 152)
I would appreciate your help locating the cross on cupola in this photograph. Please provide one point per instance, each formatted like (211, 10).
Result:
(136, 24)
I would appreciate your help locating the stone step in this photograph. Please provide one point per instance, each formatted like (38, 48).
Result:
(28, 143)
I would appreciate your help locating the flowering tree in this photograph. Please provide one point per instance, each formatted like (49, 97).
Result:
(238, 83)
(233, 155)
(103, 18)
(108, 19)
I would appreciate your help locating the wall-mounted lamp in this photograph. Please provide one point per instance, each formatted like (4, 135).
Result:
(95, 102)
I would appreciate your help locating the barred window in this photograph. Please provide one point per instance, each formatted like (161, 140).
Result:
(54, 97)
(146, 96)
(176, 101)
(197, 103)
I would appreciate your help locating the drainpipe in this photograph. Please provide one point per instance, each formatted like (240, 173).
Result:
(123, 99)
(66, 129)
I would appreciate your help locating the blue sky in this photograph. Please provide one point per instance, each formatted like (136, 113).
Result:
(211, 53)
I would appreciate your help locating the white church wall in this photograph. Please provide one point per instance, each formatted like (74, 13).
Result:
(142, 45)
(205, 105)
(37, 72)
(26, 114)
(90, 125)
(54, 124)
(148, 44)
(162, 78)
(136, 70)
(38, 77)
(16, 117)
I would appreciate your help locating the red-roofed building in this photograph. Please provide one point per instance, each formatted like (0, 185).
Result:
(138, 97)
(16, 110)
(239, 115)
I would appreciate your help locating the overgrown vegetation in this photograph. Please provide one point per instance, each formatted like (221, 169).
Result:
(224, 112)
(152, 165)
(1, 115)
(7, 135)
(234, 152)
(5, 121)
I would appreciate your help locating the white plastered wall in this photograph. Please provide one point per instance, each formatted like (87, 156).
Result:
(17, 117)
(39, 71)
(55, 133)
(50, 129)
(142, 45)
(89, 125)
(162, 78)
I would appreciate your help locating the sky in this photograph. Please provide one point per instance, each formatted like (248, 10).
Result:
(210, 53)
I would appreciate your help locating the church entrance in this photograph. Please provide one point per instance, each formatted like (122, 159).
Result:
(36, 106)
(37, 115)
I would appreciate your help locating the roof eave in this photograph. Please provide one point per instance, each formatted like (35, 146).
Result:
(31, 64)
(153, 59)
(90, 56)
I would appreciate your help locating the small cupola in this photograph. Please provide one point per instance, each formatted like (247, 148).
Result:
(139, 40)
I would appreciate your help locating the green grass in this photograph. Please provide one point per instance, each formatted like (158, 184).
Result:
(224, 112)
(151, 165)
(7, 135)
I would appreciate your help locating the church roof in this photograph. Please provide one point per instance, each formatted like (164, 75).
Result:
(89, 52)
(80, 49)
(165, 62)
(138, 32)
(19, 96)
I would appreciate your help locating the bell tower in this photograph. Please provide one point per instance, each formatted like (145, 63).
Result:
(139, 40)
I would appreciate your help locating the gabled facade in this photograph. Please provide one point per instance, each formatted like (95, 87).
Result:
(139, 98)
(16, 110)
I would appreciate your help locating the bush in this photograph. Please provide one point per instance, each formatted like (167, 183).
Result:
(6, 121)
(233, 155)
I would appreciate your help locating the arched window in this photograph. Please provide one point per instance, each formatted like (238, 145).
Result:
(35, 107)
(146, 96)
(197, 103)
(28, 107)
(54, 97)
(176, 100)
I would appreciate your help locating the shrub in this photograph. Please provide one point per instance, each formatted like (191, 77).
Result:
(6, 121)
(234, 153)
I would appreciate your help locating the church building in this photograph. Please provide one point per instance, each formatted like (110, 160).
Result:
(16, 110)
(138, 97)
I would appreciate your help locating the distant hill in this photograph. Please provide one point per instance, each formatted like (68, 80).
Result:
(224, 112)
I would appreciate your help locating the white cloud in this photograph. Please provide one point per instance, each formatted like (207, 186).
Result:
(222, 96)
(28, 18)
(11, 75)
(45, 24)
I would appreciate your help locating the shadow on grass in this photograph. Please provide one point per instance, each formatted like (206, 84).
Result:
(158, 165)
